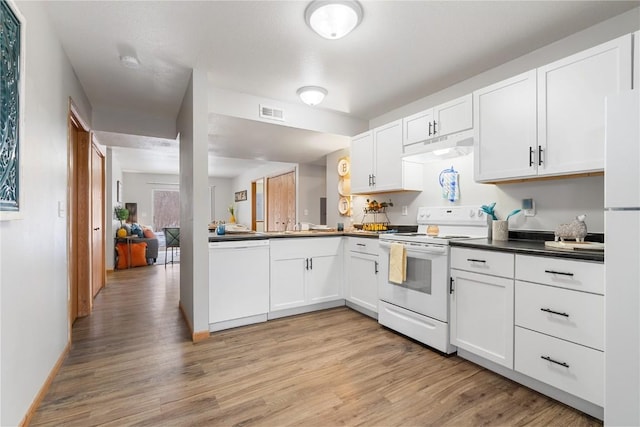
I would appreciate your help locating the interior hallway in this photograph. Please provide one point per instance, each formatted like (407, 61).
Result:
(132, 363)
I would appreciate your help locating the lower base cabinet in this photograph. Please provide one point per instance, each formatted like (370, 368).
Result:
(570, 367)
(537, 320)
(305, 271)
(362, 273)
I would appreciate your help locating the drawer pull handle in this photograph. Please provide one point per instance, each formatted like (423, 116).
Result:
(360, 244)
(476, 260)
(559, 272)
(548, 310)
(375, 267)
(547, 358)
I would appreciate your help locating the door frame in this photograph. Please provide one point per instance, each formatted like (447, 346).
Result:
(78, 260)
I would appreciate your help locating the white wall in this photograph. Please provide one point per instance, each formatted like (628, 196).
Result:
(557, 201)
(113, 174)
(312, 185)
(620, 25)
(222, 197)
(194, 202)
(33, 277)
(138, 188)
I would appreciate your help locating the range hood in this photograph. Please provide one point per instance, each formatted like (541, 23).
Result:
(444, 147)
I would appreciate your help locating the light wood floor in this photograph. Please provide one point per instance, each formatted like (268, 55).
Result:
(132, 363)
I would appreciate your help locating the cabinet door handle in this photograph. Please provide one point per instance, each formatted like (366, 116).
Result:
(369, 180)
(373, 178)
(548, 310)
(450, 285)
(530, 156)
(434, 127)
(548, 359)
(430, 124)
(306, 263)
(310, 263)
(375, 267)
(540, 150)
(562, 273)
(476, 260)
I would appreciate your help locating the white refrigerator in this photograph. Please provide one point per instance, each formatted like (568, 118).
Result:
(622, 260)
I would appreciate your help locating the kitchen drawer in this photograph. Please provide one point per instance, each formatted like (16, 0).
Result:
(577, 275)
(583, 375)
(484, 262)
(364, 245)
(578, 317)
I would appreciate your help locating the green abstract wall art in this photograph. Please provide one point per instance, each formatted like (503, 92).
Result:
(10, 107)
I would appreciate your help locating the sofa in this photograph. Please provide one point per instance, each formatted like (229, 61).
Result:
(139, 234)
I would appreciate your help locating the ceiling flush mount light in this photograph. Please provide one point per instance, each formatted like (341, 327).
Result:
(312, 95)
(333, 19)
(129, 61)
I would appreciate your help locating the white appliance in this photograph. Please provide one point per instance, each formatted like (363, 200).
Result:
(238, 283)
(622, 259)
(419, 307)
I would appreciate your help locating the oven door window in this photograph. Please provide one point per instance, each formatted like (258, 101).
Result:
(418, 274)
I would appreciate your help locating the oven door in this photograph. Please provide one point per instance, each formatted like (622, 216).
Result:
(425, 290)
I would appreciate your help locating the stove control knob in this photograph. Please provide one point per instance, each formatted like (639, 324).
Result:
(480, 213)
(472, 213)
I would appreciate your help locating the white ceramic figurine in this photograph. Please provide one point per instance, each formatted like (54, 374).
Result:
(576, 229)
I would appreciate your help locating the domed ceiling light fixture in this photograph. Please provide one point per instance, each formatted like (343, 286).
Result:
(333, 19)
(312, 95)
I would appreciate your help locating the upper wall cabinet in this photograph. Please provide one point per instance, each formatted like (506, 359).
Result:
(569, 99)
(505, 129)
(377, 165)
(445, 119)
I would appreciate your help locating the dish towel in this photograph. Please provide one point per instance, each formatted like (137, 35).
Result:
(450, 183)
(397, 263)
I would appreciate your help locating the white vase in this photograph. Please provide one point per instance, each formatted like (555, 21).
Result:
(500, 230)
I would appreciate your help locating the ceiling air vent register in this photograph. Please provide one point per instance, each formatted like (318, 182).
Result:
(271, 113)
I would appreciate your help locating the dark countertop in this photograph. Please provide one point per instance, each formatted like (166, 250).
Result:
(230, 237)
(528, 247)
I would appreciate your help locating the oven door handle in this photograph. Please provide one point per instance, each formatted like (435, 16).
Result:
(421, 249)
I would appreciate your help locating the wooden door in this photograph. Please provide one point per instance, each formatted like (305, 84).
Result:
(97, 221)
(80, 219)
(281, 202)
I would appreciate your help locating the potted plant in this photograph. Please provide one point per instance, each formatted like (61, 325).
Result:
(232, 210)
(122, 214)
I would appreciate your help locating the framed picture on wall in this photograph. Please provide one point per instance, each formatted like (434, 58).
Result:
(241, 196)
(12, 73)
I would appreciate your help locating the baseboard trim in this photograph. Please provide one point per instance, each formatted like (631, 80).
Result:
(45, 386)
(195, 336)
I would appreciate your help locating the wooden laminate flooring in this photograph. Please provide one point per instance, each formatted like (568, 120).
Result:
(131, 363)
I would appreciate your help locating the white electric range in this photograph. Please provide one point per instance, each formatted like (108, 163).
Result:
(419, 306)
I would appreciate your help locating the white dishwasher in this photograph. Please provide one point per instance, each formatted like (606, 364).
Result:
(238, 283)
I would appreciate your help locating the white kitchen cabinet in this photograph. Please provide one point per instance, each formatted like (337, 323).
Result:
(362, 162)
(571, 108)
(560, 324)
(445, 119)
(377, 165)
(549, 121)
(482, 308)
(362, 273)
(505, 129)
(305, 271)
